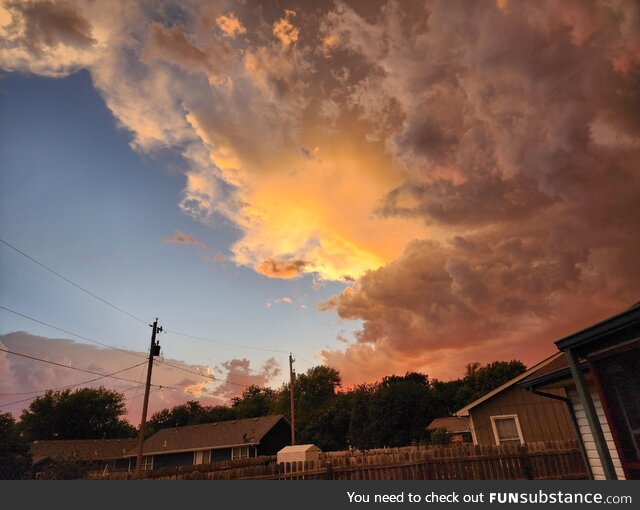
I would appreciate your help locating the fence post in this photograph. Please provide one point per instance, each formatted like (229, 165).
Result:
(525, 463)
(329, 473)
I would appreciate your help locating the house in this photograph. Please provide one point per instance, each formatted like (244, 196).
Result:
(299, 453)
(211, 442)
(458, 428)
(96, 454)
(601, 378)
(513, 414)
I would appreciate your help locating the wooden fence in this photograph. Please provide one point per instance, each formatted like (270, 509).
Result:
(533, 461)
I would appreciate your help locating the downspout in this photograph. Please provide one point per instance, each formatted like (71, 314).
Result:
(574, 420)
(592, 417)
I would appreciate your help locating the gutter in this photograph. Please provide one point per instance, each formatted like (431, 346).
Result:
(574, 420)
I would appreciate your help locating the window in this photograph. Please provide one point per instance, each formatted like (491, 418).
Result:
(241, 452)
(147, 463)
(201, 457)
(506, 429)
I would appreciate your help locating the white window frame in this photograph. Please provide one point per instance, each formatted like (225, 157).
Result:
(205, 454)
(244, 448)
(147, 463)
(503, 417)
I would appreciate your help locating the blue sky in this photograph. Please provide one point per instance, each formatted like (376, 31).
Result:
(76, 197)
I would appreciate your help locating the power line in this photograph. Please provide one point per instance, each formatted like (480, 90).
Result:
(84, 370)
(70, 385)
(206, 376)
(306, 361)
(70, 282)
(72, 334)
(225, 343)
(115, 307)
(106, 345)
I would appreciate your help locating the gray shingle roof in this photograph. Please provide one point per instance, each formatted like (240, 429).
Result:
(222, 434)
(86, 449)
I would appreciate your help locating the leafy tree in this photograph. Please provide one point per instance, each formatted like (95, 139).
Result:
(190, 413)
(15, 460)
(479, 380)
(255, 401)
(86, 413)
(402, 406)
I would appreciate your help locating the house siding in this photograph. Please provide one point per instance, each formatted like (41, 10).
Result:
(540, 418)
(587, 436)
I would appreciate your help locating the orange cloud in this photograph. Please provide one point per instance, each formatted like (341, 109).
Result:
(230, 25)
(278, 268)
(181, 238)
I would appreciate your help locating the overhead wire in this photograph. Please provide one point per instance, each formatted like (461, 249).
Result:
(67, 386)
(103, 376)
(204, 339)
(70, 282)
(129, 314)
(86, 370)
(71, 333)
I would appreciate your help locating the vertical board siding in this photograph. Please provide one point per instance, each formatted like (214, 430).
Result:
(587, 437)
(541, 418)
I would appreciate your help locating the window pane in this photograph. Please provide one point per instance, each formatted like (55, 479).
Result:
(507, 430)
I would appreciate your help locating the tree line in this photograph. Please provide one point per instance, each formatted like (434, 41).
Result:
(391, 412)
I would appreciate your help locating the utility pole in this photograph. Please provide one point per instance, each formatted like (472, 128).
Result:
(292, 380)
(153, 351)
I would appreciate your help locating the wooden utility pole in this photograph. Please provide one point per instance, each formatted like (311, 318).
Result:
(153, 351)
(292, 380)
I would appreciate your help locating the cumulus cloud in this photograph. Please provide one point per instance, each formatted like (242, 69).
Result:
(21, 375)
(230, 25)
(28, 378)
(506, 159)
(478, 179)
(238, 374)
(284, 30)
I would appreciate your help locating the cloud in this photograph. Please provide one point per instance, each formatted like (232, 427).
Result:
(506, 157)
(181, 238)
(238, 374)
(284, 30)
(278, 268)
(208, 253)
(20, 375)
(45, 37)
(478, 179)
(286, 300)
(230, 25)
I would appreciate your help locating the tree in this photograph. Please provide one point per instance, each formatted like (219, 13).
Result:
(254, 402)
(86, 413)
(401, 408)
(15, 460)
(479, 380)
(191, 413)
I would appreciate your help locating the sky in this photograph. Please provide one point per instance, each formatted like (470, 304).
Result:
(379, 186)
